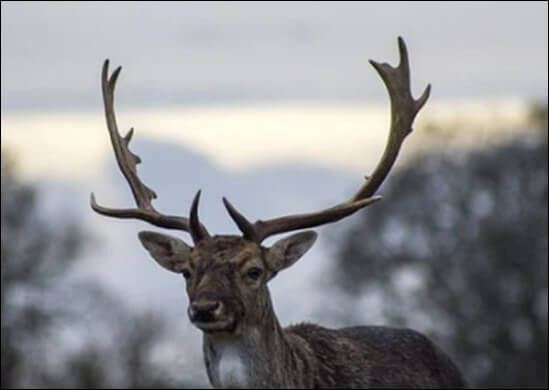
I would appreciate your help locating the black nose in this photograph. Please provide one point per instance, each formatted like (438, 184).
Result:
(204, 310)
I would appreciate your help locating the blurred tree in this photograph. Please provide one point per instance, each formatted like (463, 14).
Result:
(538, 117)
(34, 258)
(458, 249)
(51, 327)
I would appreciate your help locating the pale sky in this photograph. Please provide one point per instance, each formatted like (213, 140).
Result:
(351, 137)
(252, 83)
(209, 52)
(244, 85)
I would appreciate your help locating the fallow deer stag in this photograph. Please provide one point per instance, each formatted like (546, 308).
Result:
(226, 276)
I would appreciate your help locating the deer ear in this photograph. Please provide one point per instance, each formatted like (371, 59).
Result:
(170, 252)
(287, 251)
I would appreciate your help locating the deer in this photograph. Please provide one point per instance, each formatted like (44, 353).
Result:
(227, 276)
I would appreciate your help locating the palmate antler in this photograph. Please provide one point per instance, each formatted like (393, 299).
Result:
(404, 108)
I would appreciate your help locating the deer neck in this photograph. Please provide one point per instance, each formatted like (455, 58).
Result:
(257, 356)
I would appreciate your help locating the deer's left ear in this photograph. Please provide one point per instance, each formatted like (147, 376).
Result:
(287, 251)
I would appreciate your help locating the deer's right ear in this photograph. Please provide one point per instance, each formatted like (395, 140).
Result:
(170, 252)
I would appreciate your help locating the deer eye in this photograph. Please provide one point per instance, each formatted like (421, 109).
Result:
(186, 273)
(254, 273)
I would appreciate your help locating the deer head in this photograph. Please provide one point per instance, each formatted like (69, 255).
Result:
(227, 275)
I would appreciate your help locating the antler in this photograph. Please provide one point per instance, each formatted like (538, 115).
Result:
(404, 108)
(127, 162)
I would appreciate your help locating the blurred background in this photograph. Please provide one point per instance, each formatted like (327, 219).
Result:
(275, 106)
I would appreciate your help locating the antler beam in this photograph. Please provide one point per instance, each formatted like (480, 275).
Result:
(404, 108)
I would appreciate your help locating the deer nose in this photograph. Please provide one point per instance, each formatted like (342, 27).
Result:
(204, 310)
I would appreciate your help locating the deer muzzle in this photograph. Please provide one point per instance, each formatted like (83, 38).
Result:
(210, 315)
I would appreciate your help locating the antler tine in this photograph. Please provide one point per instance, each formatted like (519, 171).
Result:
(260, 230)
(403, 111)
(197, 231)
(127, 162)
(246, 227)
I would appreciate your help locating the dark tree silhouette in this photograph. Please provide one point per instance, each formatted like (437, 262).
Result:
(458, 249)
(34, 257)
(42, 309)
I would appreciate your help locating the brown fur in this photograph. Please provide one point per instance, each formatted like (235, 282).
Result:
(245, 346)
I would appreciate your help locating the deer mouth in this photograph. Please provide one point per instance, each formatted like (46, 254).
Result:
(221, 325)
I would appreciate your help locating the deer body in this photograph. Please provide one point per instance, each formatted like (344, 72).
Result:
(309, 356)
(227, 280)
(246, 347)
